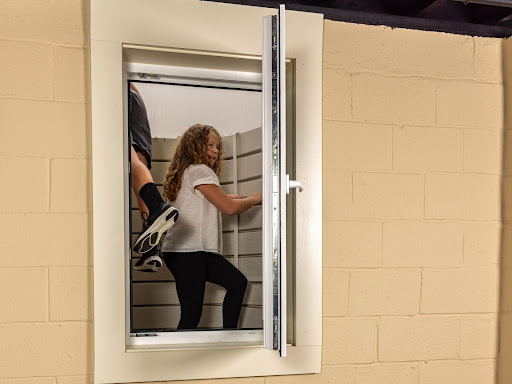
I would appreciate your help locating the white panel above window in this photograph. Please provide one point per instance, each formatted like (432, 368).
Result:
(229, 37)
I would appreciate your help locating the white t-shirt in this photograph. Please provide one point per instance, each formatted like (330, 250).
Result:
(199, 225)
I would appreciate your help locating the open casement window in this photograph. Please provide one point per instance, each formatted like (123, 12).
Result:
(276, 183)
(177, 97)
(195, 43)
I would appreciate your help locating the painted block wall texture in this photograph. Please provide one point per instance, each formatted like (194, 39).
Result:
(46, 332)
(504, 373)
(413, 136)
(412, 163)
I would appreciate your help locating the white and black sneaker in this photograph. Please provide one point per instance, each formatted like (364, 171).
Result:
(150, 261)
(158, 223)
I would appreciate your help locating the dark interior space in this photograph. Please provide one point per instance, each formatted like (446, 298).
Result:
(490, 18)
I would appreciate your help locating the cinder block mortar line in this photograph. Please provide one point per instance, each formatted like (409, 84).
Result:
(50, 100)
(349, 71)
(395, 268)
(356, 220)
(461, 221)
(420, 172)
(12, 379)
(48, 42)
(349, 365)
(368, 269)
(457, 314)
(85, 46)
(384, 364)
(56, 156)
(401, 269)
(86, 376)
(363, 365)
(391, 220)
(29, 155)
(413, 172)
(417, 173)
(417, 125)
(26, 213)
(489, 360)
(407, 221)
(44, 155)
(31, 41)
(30, 323)
(458, 268)
(43, 267)
(424, 316)
(404, 362)
(22, 379)
(447, 126)
(67, 157)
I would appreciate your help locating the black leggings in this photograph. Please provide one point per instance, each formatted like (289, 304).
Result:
(191, 270)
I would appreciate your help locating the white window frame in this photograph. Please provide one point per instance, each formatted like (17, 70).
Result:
(207, 27)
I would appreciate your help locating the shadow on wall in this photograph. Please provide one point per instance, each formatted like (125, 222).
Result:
(86, 76)
(504, 368)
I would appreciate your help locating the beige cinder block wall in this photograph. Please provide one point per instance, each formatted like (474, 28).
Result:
(505, 350)
(45, 210)
(412, 140)
(412, 171)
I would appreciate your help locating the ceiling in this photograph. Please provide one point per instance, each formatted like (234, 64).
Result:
(492, 18)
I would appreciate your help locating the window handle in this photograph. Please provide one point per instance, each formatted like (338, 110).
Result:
(293, 184)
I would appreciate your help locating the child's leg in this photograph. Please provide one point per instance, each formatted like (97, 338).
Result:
(157, 214)
(140, 176)
(189, 271)
(222, 272)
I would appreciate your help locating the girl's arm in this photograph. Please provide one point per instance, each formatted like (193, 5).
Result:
(236, 196)
(224, 203)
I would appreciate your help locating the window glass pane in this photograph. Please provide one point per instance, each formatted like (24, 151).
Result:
(236, 115)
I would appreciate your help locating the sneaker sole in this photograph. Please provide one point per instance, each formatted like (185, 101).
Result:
(150, 238)
(151, 264)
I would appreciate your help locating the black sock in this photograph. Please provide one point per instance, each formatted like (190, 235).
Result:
(151, 197)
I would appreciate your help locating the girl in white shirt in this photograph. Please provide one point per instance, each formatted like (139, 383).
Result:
(193, 246)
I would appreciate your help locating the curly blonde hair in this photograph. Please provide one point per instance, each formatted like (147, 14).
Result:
(191, 149)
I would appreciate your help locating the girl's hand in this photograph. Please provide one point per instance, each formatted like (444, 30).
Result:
(226, 204)
(234, 196)
(257, 196)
